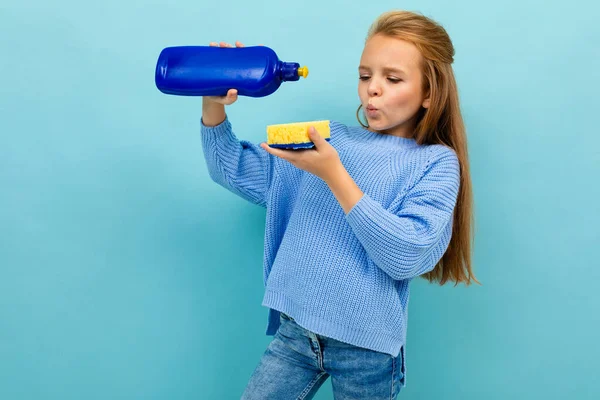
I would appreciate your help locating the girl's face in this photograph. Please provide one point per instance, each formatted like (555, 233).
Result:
(390, 85)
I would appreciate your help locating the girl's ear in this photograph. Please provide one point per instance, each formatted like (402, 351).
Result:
(426, 103)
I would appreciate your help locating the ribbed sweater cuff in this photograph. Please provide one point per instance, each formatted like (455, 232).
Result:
(226, 136)
(363, 210)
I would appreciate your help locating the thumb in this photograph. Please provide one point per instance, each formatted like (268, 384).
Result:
(315, 137)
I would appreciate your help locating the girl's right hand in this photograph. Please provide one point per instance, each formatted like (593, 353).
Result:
(232, 95)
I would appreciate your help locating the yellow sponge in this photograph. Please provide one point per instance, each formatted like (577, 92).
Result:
(295, 135)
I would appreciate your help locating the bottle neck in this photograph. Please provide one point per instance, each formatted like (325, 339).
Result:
(289, 71)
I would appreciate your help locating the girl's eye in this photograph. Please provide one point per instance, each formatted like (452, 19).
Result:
(367, 77)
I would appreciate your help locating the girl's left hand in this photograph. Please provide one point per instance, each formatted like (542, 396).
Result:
(322, 160)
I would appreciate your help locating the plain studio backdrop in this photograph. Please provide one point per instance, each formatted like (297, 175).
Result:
(126, 273)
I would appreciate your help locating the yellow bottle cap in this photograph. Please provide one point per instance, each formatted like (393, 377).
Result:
(303, 71)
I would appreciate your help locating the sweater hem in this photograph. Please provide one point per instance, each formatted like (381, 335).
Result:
(375, 341)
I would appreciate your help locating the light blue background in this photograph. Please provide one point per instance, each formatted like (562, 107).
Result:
(126, 273)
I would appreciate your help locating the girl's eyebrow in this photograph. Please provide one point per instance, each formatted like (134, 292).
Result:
(385, 69)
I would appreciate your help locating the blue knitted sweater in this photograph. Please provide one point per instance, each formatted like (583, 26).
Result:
(344, 276)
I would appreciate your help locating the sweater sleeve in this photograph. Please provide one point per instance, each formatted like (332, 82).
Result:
(242, 167)
(410, 239)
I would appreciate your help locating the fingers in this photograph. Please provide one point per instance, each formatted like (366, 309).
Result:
(284, 154)
(237, 44)
(225, 44)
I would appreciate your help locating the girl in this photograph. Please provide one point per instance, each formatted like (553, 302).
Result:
(351, 222)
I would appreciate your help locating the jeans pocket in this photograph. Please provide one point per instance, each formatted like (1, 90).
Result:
(286, 317)
(401, 367)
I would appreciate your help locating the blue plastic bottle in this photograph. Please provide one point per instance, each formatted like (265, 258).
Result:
(254, 71)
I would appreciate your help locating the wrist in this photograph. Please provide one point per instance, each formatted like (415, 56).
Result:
(213, 113)
(343, 187)
(336, 175)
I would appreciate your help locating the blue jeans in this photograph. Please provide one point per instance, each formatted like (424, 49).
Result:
(297, 362)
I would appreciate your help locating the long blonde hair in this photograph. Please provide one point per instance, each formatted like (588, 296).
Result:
(441, 123)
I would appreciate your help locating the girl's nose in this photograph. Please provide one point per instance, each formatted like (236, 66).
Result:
(374, 89)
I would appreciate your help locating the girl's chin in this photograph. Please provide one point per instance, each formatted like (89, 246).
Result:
(377, 124)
